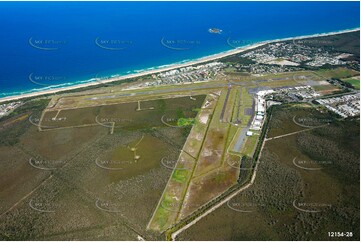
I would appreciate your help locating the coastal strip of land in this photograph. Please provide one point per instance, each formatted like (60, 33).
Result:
(171, 67)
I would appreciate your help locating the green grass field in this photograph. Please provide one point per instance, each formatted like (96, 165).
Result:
(354, 82)
(337, 73)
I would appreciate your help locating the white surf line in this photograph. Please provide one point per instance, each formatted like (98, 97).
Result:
(175, 65)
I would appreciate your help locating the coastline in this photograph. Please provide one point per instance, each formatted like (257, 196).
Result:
(163, 68)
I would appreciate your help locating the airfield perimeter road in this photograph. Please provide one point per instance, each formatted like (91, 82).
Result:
(222, 202)
(230, 196)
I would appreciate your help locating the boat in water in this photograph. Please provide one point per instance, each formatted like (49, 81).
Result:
(214, 31)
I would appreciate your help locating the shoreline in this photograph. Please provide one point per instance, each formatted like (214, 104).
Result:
(169, 67)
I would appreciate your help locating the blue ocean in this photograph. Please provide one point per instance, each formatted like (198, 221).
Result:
(53, 44)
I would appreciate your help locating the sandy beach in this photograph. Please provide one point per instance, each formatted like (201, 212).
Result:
(172, 66)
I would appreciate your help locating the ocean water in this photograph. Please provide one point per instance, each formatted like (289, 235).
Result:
(52, 44)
